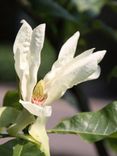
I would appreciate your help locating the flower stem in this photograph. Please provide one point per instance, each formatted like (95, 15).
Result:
(38, 132)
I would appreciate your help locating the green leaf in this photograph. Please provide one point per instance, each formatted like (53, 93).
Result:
(12, 99)
(7, 116)
(18, 147)
(94, 6)
(50, 8)
(21, 122)
(91, 126)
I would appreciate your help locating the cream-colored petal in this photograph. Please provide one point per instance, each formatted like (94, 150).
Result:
(68, 50)
(36, 109)
(95, 75)
(23, 38)
(77, 71)
(56, 67)
(37, 41)
(21, 46)
(21, 54)
(85, 53)
(36, 46)
(73, 74)
(65, 56)
(99, 55)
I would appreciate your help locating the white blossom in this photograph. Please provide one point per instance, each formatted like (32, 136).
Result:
(66, 72)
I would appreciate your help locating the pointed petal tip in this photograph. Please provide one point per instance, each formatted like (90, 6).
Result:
(92, 49)
(41, 26)
(103, 52)
(99, 55)
(23, 21)
(77, 34)
(25, 24)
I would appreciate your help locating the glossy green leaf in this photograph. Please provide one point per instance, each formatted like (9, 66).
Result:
(11, 99)
(7, 116)
(18, 147)
(92, 126)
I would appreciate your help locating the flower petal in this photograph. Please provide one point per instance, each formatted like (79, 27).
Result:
(68, 50)
(23, 38)
(65, 56)
(36, 109)
(99, 55)
(95, 75)
(77, 71)
(21, 54)
(36, 46)
(85, 53)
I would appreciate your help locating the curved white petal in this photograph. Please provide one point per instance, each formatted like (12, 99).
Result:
(21, 54)
(68, 50)
(23, 38)
(99, 55)
(95, 75)
(36, 46)
(27, 49)
(77, 71)
(85, 53)
(36, 109)
(65, 56)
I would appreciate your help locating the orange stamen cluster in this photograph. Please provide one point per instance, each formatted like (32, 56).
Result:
(39, 101)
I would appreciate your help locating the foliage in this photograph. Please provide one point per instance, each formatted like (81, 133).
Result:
(7, 116)
(11, 99)
(92, 126)
(20, 147)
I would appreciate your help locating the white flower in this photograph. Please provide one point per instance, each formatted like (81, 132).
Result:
(66, 72)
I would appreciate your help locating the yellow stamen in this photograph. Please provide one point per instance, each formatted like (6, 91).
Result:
(38, 93)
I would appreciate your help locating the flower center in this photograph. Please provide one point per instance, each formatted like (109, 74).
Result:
(39, 96)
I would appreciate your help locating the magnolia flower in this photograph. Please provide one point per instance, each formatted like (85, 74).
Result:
(66, 72)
